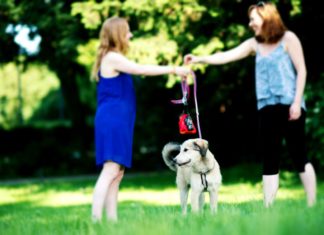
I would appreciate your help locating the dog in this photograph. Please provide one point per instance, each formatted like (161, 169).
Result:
(196, 168)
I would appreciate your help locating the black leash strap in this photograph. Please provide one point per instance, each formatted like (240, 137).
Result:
(204, 181)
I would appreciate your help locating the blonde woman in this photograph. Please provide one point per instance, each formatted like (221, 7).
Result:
(116, 111)
(280, 74)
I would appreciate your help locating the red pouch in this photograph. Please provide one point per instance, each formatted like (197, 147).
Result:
(186, 125)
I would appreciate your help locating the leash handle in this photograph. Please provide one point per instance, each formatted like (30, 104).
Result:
(185, 93)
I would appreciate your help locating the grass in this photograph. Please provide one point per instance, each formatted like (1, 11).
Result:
(149, 204)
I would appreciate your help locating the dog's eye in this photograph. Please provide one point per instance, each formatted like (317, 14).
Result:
(185, 150)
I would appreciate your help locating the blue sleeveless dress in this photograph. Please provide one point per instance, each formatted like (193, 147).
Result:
(115, 120)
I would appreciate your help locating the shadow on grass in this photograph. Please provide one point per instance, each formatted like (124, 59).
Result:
(161, 180)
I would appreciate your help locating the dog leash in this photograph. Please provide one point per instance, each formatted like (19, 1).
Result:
(185, 97)
(196, 103)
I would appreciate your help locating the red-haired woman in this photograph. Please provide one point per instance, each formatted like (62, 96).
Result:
(280, 74)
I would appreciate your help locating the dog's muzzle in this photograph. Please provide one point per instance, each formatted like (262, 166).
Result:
(184, 163)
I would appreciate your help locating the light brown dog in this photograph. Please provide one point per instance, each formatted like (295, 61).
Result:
(197, 168)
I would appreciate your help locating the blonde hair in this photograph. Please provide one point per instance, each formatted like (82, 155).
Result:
(273, 27)
(113, 37)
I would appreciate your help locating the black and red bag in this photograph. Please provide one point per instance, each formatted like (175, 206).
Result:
(186, 125)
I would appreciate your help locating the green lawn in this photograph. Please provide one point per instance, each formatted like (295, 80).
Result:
(149, 204)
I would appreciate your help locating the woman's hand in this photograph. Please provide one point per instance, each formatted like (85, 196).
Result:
(294, 111)
(190, 59)
(182, 71)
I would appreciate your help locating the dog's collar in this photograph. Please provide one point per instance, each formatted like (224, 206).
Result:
(206, 172)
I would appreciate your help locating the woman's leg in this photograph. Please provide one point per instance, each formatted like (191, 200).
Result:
(109, 172)
(296, 142)
(112, 196)
(270, 137)
(270, 188)
(308, 178)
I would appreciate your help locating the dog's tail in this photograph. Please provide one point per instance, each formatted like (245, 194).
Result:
(169, 152)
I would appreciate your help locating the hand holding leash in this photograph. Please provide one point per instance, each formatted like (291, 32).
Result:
(190, 59)
(181, 71)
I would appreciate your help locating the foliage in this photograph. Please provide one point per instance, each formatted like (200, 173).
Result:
(163, 32)
(40, 152)
(36, 82)
(60, 33)
(315, 120)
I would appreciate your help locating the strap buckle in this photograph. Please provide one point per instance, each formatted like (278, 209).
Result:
(185, 98)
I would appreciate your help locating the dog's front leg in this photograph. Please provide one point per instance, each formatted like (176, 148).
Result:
(213, 198)
(183, 199)
(201, 201)
(195, 200)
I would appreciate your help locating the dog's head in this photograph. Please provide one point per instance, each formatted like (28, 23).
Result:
(191, 152)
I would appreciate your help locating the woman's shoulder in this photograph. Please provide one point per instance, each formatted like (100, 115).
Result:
(252, 43)
(112, 55)
(108, 64)
(290, 40)
(112, 59)
(289, 36)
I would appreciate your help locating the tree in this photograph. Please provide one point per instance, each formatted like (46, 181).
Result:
(61, 33)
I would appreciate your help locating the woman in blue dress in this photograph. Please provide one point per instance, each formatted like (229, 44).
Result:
(280, 74)
(116, 111)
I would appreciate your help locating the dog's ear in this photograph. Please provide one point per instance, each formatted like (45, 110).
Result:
(202, 145)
